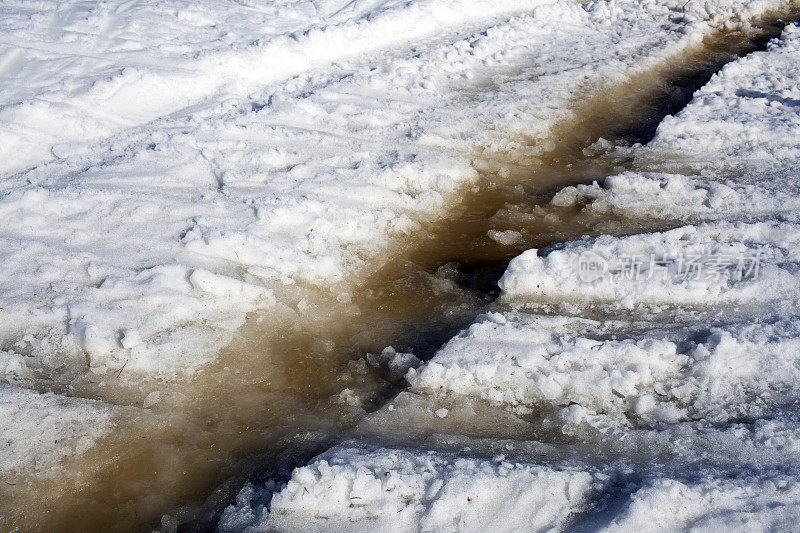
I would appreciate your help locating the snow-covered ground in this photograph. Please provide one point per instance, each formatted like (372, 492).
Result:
(149, 241)
(656, 390)
(168, 167)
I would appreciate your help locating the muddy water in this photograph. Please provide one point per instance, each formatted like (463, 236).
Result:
(275, 398)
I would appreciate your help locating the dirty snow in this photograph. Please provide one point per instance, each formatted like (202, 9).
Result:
(291, 159)
(41, 430)
(674, 391)
(168, 168)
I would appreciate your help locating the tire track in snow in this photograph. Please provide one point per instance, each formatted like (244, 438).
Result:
(235, 72)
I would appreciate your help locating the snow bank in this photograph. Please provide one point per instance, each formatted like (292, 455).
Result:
(359, 487)
(706, 263)
(744, 117)
(533, 364)
(771, 504)
(739, 132)
(658, 196)
(362, 488)
(714, 263)
(708, 329)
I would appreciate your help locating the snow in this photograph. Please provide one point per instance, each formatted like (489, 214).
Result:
(661, 196)
(362, 488)
(714, 263)
(168, 169)
(712, 505)
(48, 428)
(535, 364)
(724, 342)
(673, 393)
(743, 116)
(266, 147)
(742, 142)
